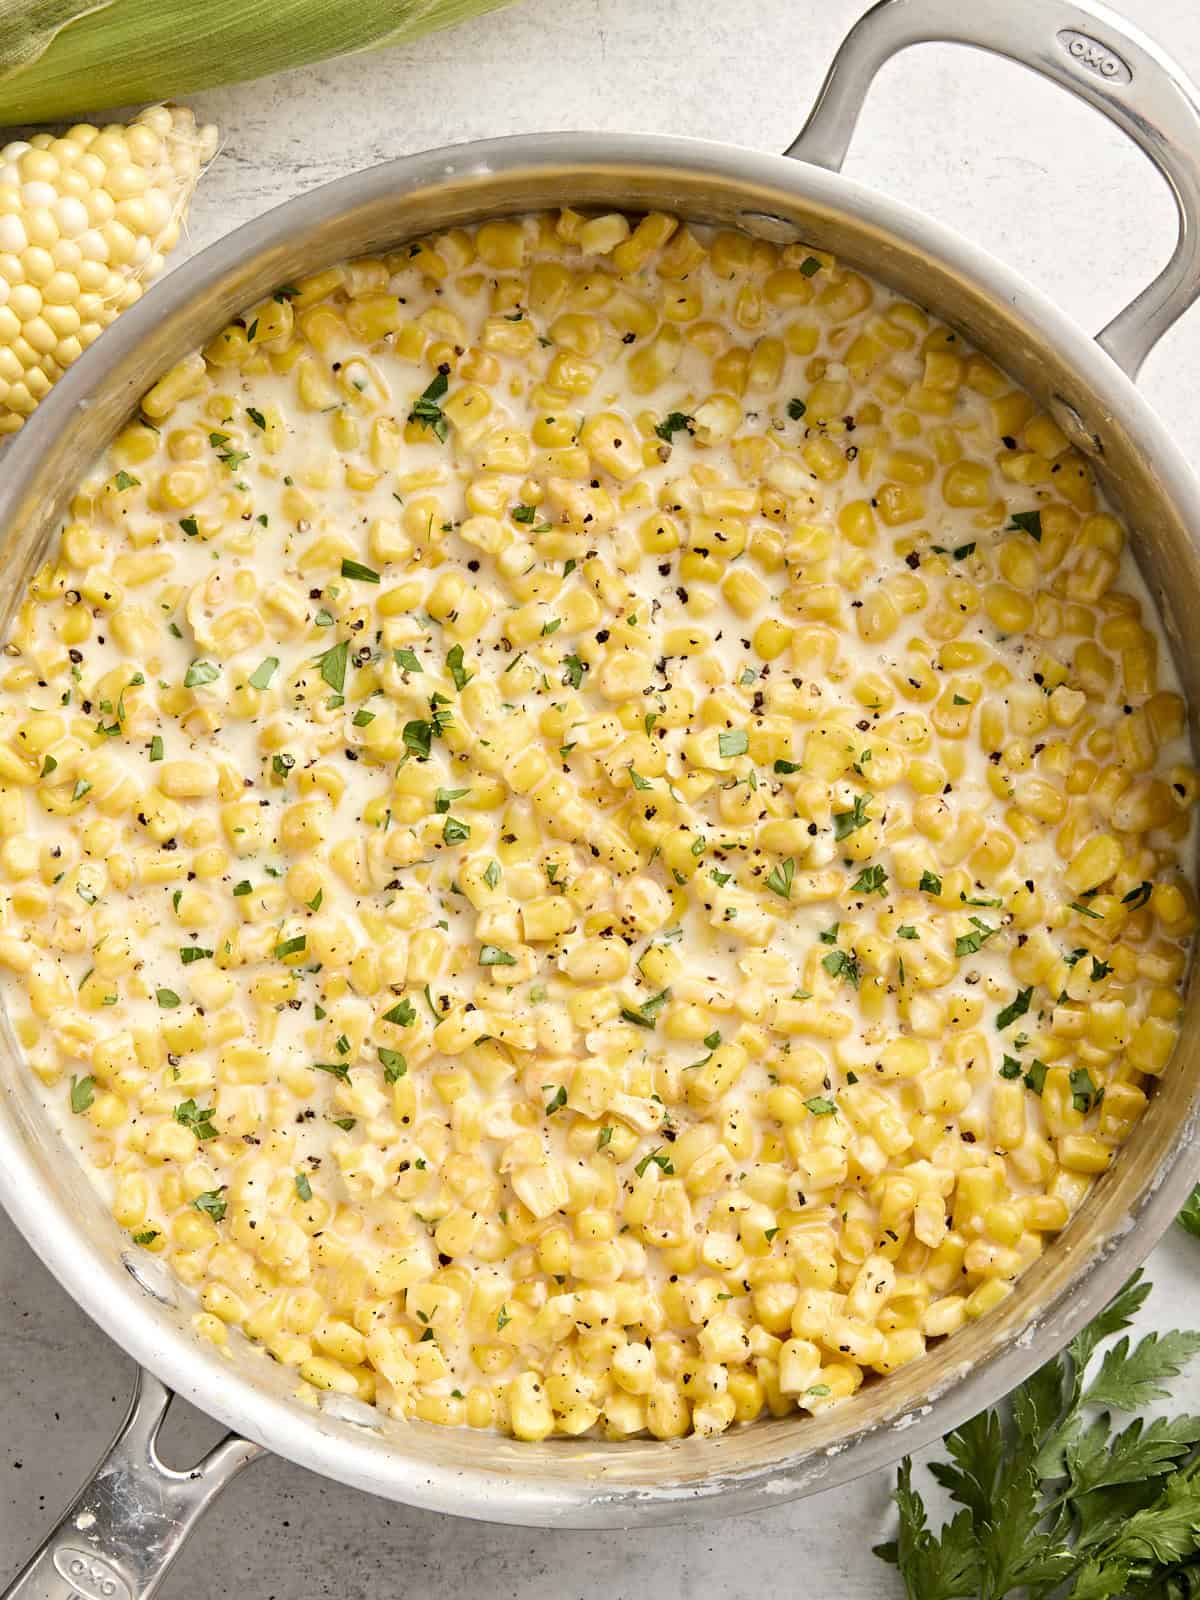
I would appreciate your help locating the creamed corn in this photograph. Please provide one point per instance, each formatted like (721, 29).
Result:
(593, 829)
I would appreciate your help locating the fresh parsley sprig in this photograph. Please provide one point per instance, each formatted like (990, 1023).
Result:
(1056, 1501)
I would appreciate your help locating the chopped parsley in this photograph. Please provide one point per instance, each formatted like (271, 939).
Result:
(779, 879)
(840, 964)
(427, 410)
(333, 665)
(871, 880)
(491, 955)
(674, 422)
(454, 662)
(1016, 1007)
(456, 832)
(969, 944)
(1029, 522)
(395, 1065)
(198, 1118)
(211, 1202)
(646, 1015)
(847, 822)
(200, 672)
(261, 677)
(355, 569)
(662, 1162)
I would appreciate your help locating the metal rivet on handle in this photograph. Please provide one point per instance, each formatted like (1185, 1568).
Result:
(151, 1276)
(766, 225)
(1073, 425)
(345, 1408)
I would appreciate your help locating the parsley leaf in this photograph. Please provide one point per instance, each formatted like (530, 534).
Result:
(1189, 1217)
(212, 1203)
(261, 677)
(871, 880)
(355, 569)
(200, 672)
(491, 955)
(847, 822)
(418, 737)
(454, 663)
(779, 879)
(198, 1118)
(428, 412)
(674, 422)
(646, 1015)
(1015, 1008)
(333, 666)
(1053, 1501)
(661, 1161)
(573, 671)
(840, 964)
(967, 944)
(395, 1065)
(1029, 522)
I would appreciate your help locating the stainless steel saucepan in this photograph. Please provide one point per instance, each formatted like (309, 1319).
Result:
(118, 1537)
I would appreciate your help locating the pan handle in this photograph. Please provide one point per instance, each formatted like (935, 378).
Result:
(128, 1522)
(1085, 48)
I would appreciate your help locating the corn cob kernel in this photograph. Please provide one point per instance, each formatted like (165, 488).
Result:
(85, 222)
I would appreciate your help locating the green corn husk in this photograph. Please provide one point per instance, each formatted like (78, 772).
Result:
(62, 57)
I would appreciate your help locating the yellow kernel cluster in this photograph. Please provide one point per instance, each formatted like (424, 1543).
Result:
(593, 829)
(85, 221)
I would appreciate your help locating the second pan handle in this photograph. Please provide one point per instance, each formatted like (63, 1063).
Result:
(1090, 51)
(127, 1524)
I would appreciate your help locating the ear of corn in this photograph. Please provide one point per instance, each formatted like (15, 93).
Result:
(59, 57)
(85, 221)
